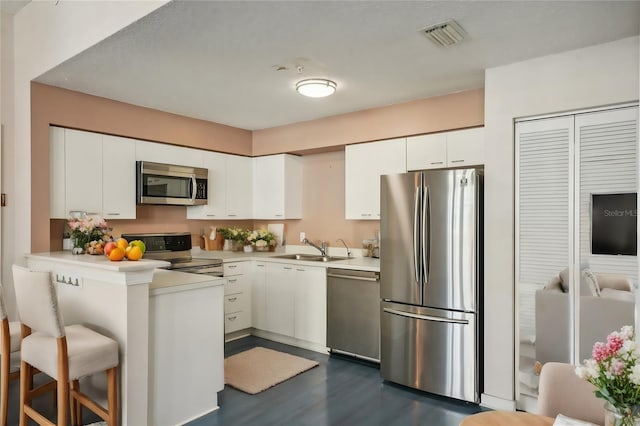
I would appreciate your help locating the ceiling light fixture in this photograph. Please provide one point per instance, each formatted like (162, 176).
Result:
(316, 87)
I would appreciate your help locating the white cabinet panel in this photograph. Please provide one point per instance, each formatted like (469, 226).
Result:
(280, 295)
(118, 178)
(311, 305)
(83, 171)
(277, 187)
(364, 164)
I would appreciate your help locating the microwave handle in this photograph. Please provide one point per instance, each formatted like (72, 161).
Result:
(194, 188)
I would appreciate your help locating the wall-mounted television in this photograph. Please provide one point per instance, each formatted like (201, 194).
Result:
(614, 224)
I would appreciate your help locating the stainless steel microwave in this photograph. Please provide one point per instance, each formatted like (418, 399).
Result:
(169, 184)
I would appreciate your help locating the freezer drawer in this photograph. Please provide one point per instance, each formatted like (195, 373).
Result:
(430, 349)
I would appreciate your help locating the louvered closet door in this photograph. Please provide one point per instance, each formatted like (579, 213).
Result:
(606, 162)
(543, 210)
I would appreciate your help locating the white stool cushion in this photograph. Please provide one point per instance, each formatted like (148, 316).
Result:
(15, 335)
(89, 352)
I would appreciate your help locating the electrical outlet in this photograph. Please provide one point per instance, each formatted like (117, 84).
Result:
(302, 236)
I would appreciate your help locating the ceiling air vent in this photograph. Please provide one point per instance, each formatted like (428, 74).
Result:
(445, 34)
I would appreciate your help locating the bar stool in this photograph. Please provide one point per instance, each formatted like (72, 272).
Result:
(64, 353)
(9, 343)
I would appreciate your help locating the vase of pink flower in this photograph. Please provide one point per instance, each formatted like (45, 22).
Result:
(615, 371)
(85, 229)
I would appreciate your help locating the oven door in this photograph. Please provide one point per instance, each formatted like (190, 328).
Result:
(168, 184)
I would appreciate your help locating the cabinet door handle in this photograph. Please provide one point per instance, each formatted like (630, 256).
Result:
(232, 215)
(278, 215)
(232, 266)
(300, 270)
(286, 267)
(113, 214)
(232, 299)
(438, 162)
(365, 214)
(232, 281)
(457, 161)
(260, 265)
(211, 215)
(233, 318)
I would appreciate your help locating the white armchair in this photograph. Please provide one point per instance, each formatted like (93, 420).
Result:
(606, 304)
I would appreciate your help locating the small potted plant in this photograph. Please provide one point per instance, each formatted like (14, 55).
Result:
(236, 235)
(262, 240)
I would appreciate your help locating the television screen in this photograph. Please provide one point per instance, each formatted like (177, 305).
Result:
(614, 224)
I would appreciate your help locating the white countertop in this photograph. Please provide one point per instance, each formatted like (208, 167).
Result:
(97, 261)
(356, 263)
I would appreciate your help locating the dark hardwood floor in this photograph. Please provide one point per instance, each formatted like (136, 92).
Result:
(340, 391)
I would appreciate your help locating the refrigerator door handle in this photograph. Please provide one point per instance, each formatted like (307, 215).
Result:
(424, 317)
(426, 234)
(416, 237)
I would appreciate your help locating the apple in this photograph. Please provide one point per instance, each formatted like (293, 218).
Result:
(109, 246)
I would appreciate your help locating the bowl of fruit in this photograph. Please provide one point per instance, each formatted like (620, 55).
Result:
(123, 249)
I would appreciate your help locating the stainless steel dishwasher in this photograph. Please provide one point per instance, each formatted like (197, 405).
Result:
(353, 313)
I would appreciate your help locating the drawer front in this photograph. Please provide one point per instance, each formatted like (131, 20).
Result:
(236, 302)
(236, 321)
(237, 284)
(235, 268)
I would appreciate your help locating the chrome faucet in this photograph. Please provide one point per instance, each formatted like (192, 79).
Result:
(322, 247)
(345, 246)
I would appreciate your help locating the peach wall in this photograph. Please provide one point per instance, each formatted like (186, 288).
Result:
(51, 105)
(454, 111)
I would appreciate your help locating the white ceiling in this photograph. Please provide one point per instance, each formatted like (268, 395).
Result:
(218, 60)
(11, 7)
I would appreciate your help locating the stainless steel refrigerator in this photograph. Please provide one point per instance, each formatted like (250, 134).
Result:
(431, 280)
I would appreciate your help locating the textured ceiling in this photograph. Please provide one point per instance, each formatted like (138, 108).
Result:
(220, 60)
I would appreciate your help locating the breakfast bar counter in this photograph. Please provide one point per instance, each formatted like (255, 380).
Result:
(134, 303)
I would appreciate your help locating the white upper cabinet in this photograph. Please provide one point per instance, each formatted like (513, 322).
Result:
(277, 187)
(91, 172)
(83, 171)
(364, 164)
(119, 177)
(230, 188)
(168, 154)
(427, 151)
(449, 149)
(239, 186)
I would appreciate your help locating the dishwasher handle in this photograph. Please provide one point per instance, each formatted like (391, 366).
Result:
(376, 278)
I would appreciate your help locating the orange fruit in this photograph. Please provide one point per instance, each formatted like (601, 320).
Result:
(122, 243)
(133, 253)
(116, 254)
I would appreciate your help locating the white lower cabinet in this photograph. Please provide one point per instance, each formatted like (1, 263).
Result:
(291, 300)
(310, 312)
(237, 296)
(279, 298)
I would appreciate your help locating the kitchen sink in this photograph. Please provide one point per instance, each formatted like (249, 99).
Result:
(310, 257)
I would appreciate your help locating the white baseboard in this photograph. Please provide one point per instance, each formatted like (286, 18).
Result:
(290, 341)
(496, 403)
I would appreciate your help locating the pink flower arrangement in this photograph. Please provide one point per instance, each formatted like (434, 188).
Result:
(615, 371)
(86, 229)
